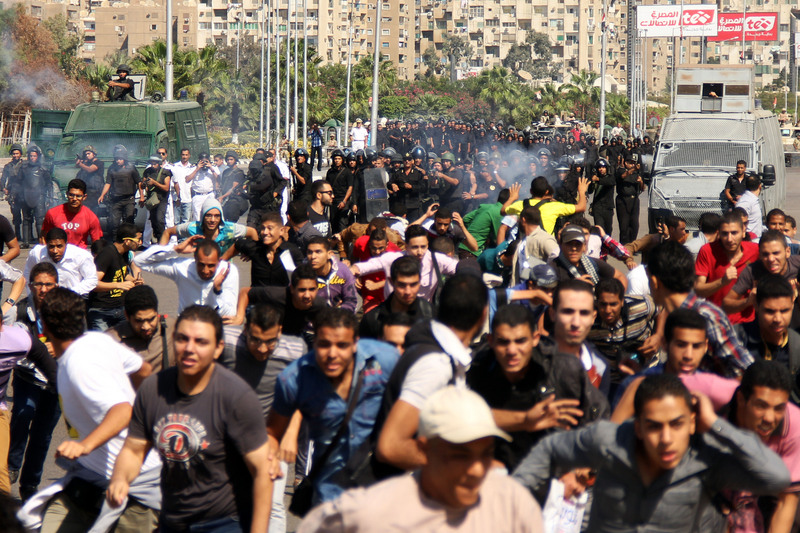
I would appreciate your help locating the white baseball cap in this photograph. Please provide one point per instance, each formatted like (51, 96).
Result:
(458, 415)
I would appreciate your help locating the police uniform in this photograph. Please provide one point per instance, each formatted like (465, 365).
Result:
(628, 190)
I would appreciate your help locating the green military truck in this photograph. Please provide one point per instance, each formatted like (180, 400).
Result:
(47, 127)
(141, 126)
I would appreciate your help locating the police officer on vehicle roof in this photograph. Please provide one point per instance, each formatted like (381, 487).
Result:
(121, 88)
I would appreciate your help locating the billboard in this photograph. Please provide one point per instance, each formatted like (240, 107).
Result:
(797, 46)
(677, 21)
(758, 27)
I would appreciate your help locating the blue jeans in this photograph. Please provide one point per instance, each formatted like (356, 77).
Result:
(103, 319)
(34, 415)
(218, 525)
(183, 212)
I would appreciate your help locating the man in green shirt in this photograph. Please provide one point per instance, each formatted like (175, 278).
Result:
(484, 223)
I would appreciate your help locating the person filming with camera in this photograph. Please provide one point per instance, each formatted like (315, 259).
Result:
(153, 190)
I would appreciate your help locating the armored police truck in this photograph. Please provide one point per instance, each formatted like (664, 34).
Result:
(715, 123)
(141, 126)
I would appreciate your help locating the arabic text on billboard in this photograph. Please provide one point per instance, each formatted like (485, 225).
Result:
(758, 27)
(676, 21)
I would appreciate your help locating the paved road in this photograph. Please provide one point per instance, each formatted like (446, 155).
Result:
(167, 295)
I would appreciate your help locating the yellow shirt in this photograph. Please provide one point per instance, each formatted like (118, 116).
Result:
(550, 212)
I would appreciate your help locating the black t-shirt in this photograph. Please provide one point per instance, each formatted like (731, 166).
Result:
(321, 222)
(736, 187)
(487, 379)
(202, 440)
(114, 265)
(266, 274)
(301, 191)
(340, 179)
(295, 321)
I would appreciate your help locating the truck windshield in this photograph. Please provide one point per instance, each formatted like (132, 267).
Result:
(138, 145)
(702, 154)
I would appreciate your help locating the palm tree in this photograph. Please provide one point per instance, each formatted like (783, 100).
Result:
(150, 61)
(98, 74)
(617, 109)
(551, 99)
(228, 95)
(498, 88)
(387, 74)
(582, 92)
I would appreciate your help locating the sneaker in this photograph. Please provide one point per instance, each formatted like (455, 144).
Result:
(13, 476)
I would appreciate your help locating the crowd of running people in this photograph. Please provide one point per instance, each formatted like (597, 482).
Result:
(450, 349)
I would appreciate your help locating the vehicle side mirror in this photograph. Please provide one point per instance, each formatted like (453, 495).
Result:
(768, 175)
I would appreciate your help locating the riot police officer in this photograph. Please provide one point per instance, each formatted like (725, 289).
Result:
(629, 186)
(546, 167)
(405, 186)
(34, 182)
(233, 200)
(122, 180)
(452, 184)
(122, 87)
(10, 185)
(341, 179)
(265, 190)
(91, 172)
(303, 176)
(603, 181)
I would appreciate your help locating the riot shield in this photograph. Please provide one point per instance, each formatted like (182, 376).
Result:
(377, 197)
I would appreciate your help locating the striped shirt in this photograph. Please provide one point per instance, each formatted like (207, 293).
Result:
(635, 324)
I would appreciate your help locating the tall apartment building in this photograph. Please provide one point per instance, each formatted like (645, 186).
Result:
(410, 27)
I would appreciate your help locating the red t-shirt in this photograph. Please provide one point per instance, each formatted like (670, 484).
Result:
(712, 261)
(372, 299)
(79, 226)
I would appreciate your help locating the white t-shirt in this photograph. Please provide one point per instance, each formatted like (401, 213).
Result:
(434, 371)
(179, 173)
(92, 378)
(638, 284)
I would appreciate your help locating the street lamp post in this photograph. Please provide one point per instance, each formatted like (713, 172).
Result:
(373, 126)
(288, 72)
(269, 72)
(349, 69)
(261, 84)
(296, 77)
(305, 70)
(603, 46)
(168, 74)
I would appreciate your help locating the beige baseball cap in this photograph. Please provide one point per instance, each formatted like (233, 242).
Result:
(458, 415)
